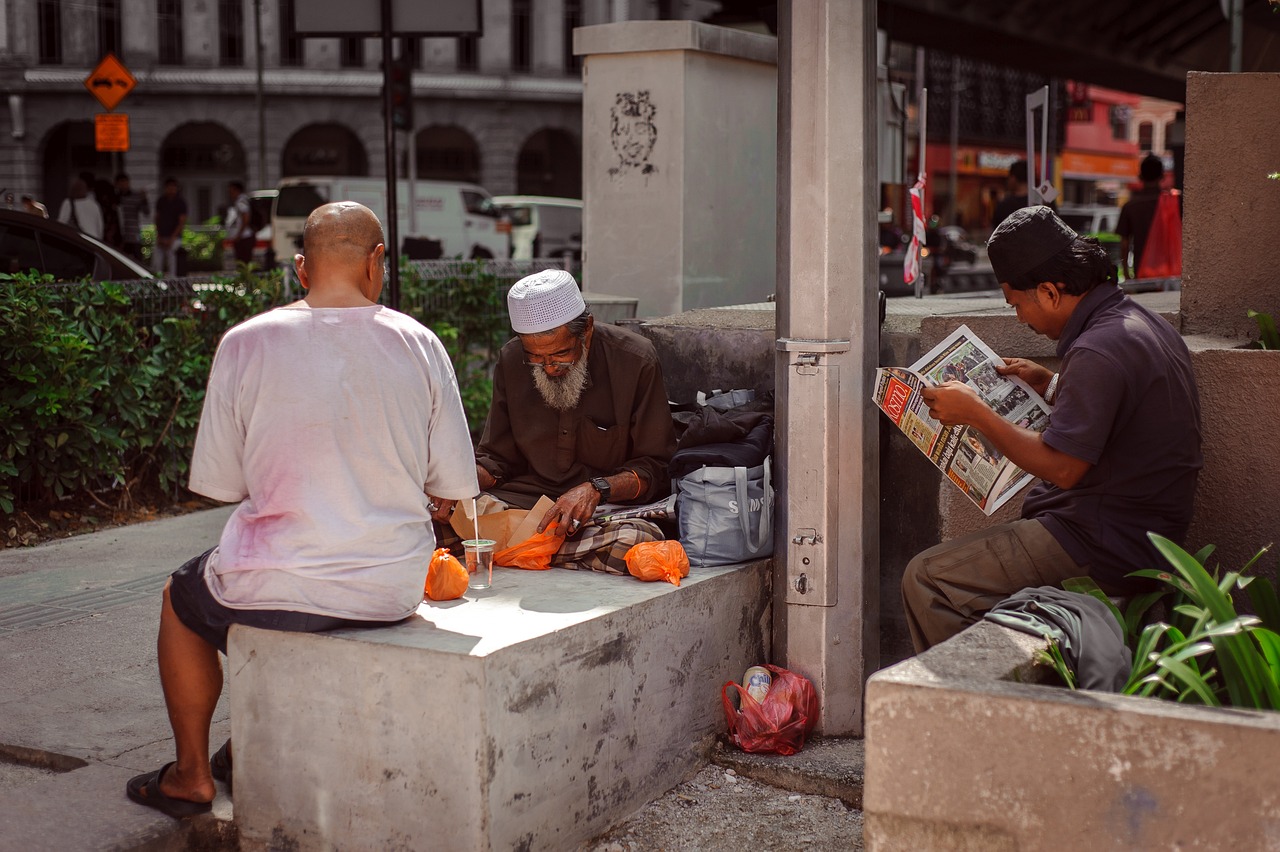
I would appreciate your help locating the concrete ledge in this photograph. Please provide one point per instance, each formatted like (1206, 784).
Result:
(533, 715)
(962, 756)
(644, 36)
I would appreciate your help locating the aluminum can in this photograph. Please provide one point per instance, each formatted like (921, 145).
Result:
(756, 681)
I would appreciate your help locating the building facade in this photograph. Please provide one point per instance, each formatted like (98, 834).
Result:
(503, 109)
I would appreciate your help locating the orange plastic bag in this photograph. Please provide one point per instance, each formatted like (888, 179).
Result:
(781, 722)
(446, 577)
(534, 553)
(658, 560)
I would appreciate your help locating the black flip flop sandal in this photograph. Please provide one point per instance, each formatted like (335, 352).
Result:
(145, 790)
(220, 765)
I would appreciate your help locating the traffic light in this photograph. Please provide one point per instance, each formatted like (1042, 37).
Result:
(401, 82)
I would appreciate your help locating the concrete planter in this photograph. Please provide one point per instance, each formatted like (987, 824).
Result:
(965, 751)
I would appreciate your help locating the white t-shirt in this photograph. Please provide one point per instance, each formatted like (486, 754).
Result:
(327, 423)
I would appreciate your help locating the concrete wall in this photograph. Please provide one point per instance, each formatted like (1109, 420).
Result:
(1231, 207)
(680, 140)
(1239, 486)
(960, 755)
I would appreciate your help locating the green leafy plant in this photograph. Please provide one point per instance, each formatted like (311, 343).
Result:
(1206, 652)
(1268, 337)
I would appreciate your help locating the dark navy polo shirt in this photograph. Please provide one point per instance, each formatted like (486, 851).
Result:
(1127, 404)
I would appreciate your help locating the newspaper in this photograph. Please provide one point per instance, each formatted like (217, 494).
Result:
(963, 453)
(663, 509)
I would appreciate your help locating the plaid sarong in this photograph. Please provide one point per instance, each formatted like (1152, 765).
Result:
(599, 547)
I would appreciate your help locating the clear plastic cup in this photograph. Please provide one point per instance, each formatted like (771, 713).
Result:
(479, 556)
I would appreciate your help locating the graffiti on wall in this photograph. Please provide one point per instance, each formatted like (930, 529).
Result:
(633, 133)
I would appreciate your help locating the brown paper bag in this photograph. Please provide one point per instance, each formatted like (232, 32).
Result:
(504, 526)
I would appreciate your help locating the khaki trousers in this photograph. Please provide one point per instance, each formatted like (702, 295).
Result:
(948, 587)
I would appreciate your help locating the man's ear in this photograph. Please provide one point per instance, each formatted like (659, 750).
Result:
(1051, 292)
(591, 327)
(300, 266)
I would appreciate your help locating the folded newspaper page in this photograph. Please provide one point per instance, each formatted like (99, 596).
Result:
(963, 453)
(660, 510)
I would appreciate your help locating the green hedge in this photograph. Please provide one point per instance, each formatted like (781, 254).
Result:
(94, 400)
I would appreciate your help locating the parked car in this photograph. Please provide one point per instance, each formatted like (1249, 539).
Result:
(542, 226)
(1090, 219)
(450, 219)
(30, 242)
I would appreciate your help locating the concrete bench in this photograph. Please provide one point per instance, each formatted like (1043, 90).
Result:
(532, 715)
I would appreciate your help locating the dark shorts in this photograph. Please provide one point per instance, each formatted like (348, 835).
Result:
(197, 608)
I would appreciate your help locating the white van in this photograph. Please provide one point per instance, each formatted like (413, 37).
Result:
(542, 226)
(450, 219)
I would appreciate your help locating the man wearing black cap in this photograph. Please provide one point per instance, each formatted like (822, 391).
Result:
(1118, 459)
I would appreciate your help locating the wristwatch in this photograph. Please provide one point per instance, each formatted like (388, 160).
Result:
(601, 484)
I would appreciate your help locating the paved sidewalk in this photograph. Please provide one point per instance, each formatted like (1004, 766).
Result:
(81, 712)
(78, 620)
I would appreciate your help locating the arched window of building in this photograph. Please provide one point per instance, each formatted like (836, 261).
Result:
(324, 149)
(447, 153)
(1146, 136)
(550, 163)
(204, 156)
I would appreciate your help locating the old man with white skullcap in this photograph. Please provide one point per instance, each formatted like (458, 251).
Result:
(580, 414)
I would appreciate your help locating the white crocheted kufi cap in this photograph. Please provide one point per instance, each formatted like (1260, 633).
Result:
(544, 301)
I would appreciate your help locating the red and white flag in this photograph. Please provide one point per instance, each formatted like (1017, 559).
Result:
(911, 265)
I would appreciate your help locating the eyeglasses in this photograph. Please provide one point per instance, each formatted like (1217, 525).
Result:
(553, 361)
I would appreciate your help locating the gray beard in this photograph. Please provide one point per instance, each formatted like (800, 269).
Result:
(562, 392)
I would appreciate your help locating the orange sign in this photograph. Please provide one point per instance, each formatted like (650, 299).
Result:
(111, 131)
(110, 82)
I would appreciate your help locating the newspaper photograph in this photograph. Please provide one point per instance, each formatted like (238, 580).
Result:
(963, 453)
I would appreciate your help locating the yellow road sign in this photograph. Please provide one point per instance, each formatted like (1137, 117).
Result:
(110, 81)
(111, 131)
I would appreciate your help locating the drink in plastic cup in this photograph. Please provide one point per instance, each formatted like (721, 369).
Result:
(479, 561)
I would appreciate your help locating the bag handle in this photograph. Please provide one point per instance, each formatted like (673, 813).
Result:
(756, 541)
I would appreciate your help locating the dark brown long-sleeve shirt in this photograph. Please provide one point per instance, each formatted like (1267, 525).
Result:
(622, 422)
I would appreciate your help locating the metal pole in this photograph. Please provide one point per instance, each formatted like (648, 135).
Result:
(1237, 34)
(389, 132)
(262, 114)
(954, 181)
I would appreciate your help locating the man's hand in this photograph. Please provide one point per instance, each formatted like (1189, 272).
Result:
(954, 403)
(1029, 371)
(441, 508)
(574, 508)
(487, 479)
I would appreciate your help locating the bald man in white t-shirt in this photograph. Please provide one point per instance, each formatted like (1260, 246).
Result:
(327, 420)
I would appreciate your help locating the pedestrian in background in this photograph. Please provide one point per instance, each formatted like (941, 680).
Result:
(80, 210)
(105, 193)
(1015, 197)
(239, 230)
(132, 206)
(171, 217)
(1137, 218)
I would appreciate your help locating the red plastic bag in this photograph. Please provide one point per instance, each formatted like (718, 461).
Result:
(1162, 253)
(779, 724)
(534, 553)
(658, 560)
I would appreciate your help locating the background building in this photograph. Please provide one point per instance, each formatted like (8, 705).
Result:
(503, 110)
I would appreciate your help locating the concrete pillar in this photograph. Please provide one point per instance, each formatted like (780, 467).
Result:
(1231, 205)
(548, 37)
(680, 143)
(79, 34)
(827, 552)
(138, 33)
(495, 44)
(200, 33)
